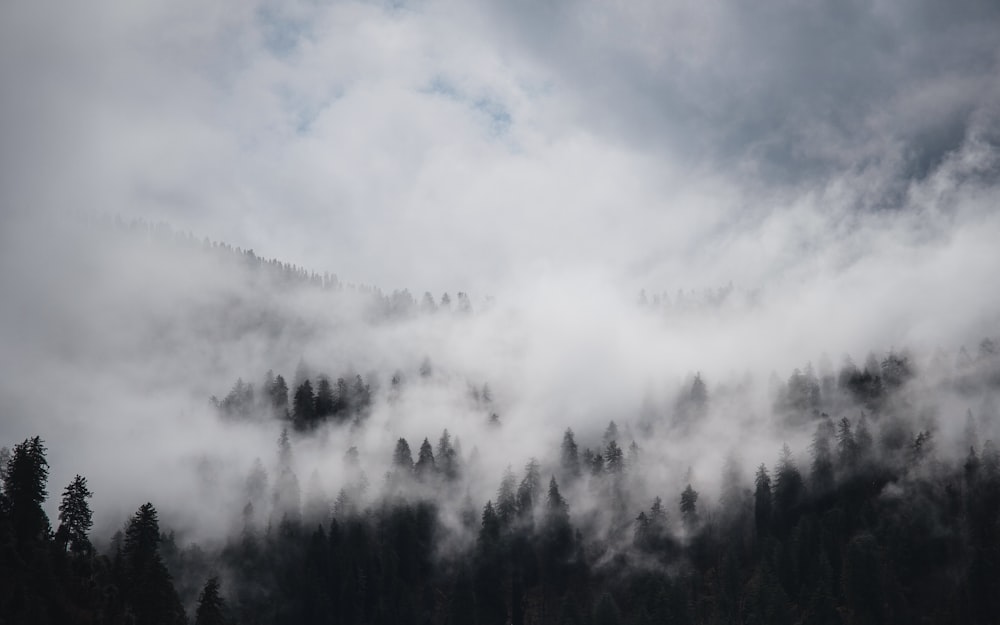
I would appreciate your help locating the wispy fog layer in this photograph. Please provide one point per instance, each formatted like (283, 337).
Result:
(115, 341)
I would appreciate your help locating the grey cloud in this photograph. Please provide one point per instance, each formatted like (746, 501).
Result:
(787, 89)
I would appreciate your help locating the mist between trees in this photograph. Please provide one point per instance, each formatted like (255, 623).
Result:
(483, 464)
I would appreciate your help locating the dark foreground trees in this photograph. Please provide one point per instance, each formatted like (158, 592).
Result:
(869, 534)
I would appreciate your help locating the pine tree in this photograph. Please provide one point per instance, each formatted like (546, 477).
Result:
(689, 506)
(658, 518)
(325, 401)
(490, 603)
(402, 458)
(762, 501)
(642, 531)
(821, 473)
(447, 458)
(304, 406)
(506, 507)
(278, 392)
(361, 397)
(489, 531)
(846, 446)
(75, 517)
(147, 586)
(611, 433)
(425, 466)
(614, 458)
(569, 457)
(25, 492)
(788, 490)
(596, 462)
(287, 496)
(528, 490)
(555, 504)
(211, 607)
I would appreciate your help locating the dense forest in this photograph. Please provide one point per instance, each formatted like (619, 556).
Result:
(880, 520)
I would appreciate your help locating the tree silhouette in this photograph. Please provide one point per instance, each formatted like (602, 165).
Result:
(425, 466)
(211, 607)
(25, 491)
(75, 517)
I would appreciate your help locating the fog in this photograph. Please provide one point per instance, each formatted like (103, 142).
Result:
(551, 161)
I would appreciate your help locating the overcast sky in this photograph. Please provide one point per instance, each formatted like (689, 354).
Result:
(460, 145)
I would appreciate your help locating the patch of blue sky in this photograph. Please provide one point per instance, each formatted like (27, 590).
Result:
(281, 33)
(301, 113)
(497, 116)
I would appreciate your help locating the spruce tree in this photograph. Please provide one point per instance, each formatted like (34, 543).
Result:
(569, 457)
(25, 491)
(146, 585)
(402, 458)
(762, 501)
(528, 490)
(325, 401)
(304, 406)
(425, 465)
(689, 506)
(507, 498)
(75, 517)
(211, 607)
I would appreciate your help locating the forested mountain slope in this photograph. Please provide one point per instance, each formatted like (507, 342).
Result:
(388, 460)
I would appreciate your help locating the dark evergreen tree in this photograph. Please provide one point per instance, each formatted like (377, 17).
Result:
(762, 501)
(278, 393)
(361, 397)
(569, 458)
(304, 406)
(25, 491)
(402, 458)
(689, 506)
(595, 462)
(506, 507)
(342, 401)
(614, 459)
(75, 517)
(287, 494)
(447, 458)
(146, 585)
(847, 451)
(896, 370)
(211, 607)
(325, 401)
(788, 491)
(821, 473)
(490, 603)
(425, 466)
(657, 519)
(528, 490)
